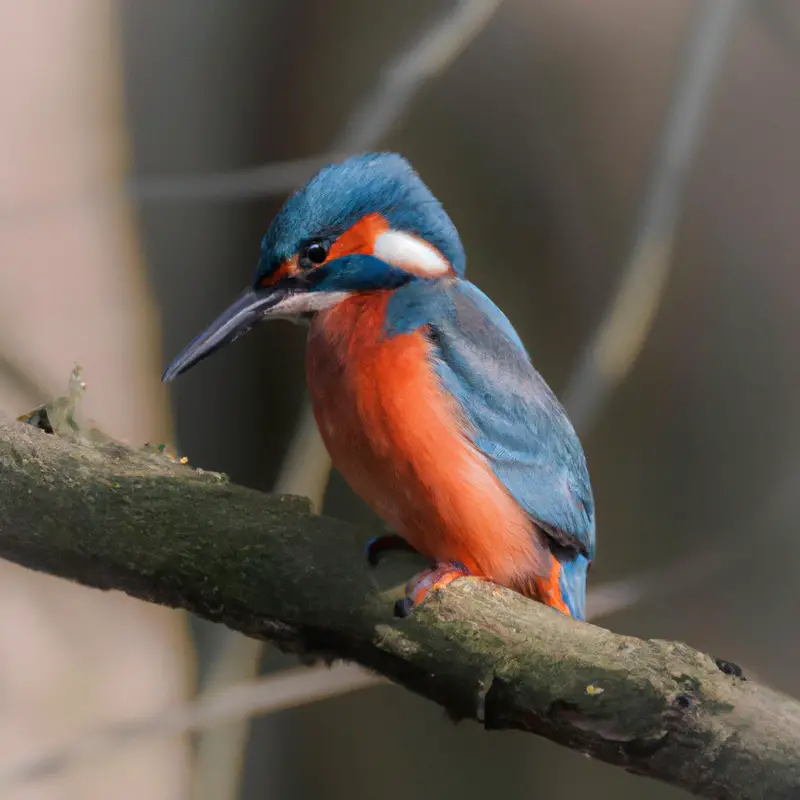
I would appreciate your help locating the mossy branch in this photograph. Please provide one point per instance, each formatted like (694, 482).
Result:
(112, 517)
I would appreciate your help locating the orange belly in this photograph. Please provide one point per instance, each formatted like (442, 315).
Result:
(398, 439)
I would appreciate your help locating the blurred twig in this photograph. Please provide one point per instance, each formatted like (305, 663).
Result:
(403, 78)
(279, 177)
(613, 350)
(271, 694)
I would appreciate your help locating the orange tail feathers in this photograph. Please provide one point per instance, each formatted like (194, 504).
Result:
(564, 587)
(547, 589)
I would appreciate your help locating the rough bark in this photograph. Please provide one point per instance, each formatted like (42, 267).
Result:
(112, 517)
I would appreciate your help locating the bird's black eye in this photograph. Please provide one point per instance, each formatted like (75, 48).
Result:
(312, 254)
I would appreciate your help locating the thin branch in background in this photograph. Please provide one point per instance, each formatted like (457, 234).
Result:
(403, 78)
(275, 693)
(682, 575)
(306, 467)
(613, 350)
(279, 177)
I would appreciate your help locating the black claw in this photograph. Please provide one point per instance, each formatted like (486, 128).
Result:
(729, 668)
(403, 607)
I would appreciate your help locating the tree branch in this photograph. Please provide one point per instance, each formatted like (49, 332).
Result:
(116, 518)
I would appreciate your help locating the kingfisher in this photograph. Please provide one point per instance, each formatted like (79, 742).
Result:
(423, 392)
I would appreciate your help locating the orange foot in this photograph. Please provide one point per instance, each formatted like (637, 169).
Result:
(443, 574)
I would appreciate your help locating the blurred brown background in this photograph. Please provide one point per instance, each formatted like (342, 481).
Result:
(538, 138)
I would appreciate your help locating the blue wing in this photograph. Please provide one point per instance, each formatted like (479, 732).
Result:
(514, 417)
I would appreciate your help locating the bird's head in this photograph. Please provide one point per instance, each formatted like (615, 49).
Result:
(366, 224)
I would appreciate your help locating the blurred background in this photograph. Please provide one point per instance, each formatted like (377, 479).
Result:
(624, 176)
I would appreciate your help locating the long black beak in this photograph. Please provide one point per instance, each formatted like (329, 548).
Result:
(245, 312)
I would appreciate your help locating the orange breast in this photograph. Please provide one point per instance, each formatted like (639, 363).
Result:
(398, 438)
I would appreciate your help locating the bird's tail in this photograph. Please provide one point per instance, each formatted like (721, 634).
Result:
(564, 587)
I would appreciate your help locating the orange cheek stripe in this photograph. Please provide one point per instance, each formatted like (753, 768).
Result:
(360, 238)
(284, 271)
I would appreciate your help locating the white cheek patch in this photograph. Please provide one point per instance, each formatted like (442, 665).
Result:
(411, 254)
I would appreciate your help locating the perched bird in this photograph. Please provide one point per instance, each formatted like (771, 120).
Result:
(423, 392)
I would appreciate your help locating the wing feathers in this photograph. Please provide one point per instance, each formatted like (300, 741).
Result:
(512, 415)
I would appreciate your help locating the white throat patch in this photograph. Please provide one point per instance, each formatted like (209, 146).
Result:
(410, 253)
(296, 305)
